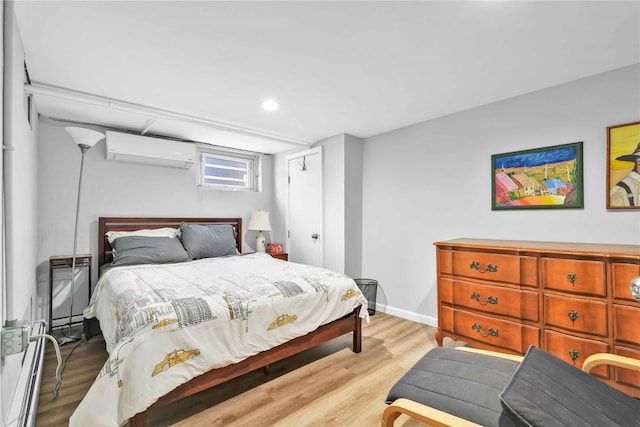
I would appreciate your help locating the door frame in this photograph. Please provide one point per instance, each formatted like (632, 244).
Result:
(311, 151)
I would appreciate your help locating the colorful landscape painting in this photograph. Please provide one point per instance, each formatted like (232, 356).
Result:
(549, 177)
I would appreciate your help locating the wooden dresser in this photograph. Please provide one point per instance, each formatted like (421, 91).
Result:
(571, 299)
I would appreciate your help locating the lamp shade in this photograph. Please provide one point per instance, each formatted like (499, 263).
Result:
(259, 221)
(84, 136)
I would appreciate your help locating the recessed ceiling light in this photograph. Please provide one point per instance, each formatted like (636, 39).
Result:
(270, 105)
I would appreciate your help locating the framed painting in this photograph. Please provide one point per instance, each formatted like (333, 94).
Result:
(540, 178)
(623, 166)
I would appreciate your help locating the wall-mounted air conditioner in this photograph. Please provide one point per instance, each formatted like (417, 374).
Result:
(124, 147)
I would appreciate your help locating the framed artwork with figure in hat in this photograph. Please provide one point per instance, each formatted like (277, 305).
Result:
(623, 166)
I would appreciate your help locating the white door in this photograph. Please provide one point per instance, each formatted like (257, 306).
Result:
(304, 219)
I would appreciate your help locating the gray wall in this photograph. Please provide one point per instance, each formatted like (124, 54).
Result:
(122, 189)
(432, 182)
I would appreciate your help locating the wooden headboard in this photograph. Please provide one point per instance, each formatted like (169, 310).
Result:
(133, 223)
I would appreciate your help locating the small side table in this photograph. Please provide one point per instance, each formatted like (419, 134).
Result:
(283, 256)
(66, 261)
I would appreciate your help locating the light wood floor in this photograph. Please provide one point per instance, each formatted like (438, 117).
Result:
(327, 385)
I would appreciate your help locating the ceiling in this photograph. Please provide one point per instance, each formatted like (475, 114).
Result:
(199, 70)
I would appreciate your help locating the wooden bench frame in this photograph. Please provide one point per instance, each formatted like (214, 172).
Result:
(437, 418)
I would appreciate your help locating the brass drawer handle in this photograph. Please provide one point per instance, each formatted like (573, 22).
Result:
(634, 287)
(573, 315)
(574, 354)
(490, 300)
(475, 265)
(572, 278)
(478, 328)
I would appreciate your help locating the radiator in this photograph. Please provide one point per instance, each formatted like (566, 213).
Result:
(24, 405)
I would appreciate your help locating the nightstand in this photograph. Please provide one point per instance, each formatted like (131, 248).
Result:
(59, 288)
(284, 257)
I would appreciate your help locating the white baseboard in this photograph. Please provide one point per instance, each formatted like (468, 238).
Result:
(409, 315)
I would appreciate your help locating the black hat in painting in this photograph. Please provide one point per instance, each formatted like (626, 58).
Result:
(630, 157)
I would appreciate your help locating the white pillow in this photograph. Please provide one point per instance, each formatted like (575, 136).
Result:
(156, 232)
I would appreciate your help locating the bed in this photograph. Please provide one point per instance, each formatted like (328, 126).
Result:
(175, 325)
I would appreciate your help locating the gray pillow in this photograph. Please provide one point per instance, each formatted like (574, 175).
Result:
(147, 250)
(547, 391)
(208, 241)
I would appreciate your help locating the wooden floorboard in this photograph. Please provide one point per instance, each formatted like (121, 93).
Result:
(326, 385)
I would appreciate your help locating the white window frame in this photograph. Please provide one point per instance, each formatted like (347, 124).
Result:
(254, 161)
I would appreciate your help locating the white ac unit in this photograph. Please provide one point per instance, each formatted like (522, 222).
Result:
(124, 147)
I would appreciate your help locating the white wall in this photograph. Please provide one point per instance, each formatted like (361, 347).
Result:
(353, 206)
(333, 195)
(432, 181)
(278, 214)
(19, 180)
(20, 163)
(122, 189)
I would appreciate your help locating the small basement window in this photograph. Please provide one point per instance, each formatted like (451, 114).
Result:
(229, 170)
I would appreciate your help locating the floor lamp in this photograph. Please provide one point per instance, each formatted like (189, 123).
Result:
(85, 138)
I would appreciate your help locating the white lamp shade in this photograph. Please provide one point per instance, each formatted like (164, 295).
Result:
(259, 221)
(84, 136)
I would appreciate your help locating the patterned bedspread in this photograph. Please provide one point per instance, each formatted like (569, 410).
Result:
(165, 324)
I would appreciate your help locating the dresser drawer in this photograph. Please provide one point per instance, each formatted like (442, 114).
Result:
(445, 321)
(445, 259)
(495, 332)
(445, 290)
(575, 314)
(496, 300)
(487, 266)
(628, 379)
(575, 276)
(575, 350)
(621, 275)
(626, 324)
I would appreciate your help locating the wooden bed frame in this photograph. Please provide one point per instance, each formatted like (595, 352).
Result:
(347, 324)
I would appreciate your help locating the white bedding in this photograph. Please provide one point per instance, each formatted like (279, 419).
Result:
(165, 324)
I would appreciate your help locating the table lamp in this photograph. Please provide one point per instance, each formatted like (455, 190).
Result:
(259, 221)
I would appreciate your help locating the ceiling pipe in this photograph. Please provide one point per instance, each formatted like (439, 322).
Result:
(148, 127)
(37, 88)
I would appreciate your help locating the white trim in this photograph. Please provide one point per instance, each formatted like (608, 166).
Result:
(205, 146)
(409, 315)
(316, 150)
(44, 89)
(252, 159)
